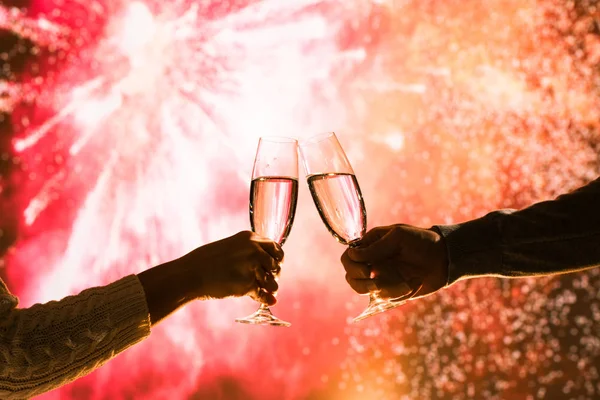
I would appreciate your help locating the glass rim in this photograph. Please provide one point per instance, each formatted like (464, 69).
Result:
(318, 138)
(278, 139)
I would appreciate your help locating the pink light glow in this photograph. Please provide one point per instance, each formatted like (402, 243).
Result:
(135, 126)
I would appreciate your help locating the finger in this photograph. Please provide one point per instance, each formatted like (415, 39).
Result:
(374, 235)
(398, 291)
(266, 280)
(267, 262)
(354, 269)
(264, 297)
(416, 286)
(271, 247)
(362, 286)
(391, 277)
(276, 269)
(377, 248)
(420, 289)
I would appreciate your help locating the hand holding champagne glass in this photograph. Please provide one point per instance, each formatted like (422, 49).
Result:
(273, 198)
(337, 196)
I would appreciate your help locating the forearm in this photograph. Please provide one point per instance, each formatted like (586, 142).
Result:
(166, 288)
(48, 345)
(562, 235)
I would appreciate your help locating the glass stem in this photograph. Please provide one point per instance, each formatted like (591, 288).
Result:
(374, 298)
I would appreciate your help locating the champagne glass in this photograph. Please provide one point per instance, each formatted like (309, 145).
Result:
(338, 198)
(273, 198)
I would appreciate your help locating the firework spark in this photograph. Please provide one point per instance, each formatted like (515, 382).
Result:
(142, 123)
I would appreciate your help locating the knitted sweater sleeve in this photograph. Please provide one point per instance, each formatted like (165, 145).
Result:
(48, 345)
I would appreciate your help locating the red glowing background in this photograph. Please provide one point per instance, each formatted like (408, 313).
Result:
(128, 130)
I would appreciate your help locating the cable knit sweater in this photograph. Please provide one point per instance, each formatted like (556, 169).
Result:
(48, 345)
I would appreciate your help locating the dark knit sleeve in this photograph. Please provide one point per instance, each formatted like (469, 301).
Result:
(556, 236)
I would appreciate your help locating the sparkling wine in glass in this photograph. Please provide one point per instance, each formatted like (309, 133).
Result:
(336, 193)
(273, 198)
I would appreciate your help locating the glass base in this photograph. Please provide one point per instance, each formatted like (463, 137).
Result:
(378, 305)
(263, 316)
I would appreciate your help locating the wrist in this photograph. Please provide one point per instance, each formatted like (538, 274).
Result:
(441, 254)
(182, 279)
(166, 289)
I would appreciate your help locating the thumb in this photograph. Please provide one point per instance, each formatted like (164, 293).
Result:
(375, 246)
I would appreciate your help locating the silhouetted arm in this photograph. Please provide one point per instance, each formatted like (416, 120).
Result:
(557, 236)
(48, 345)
